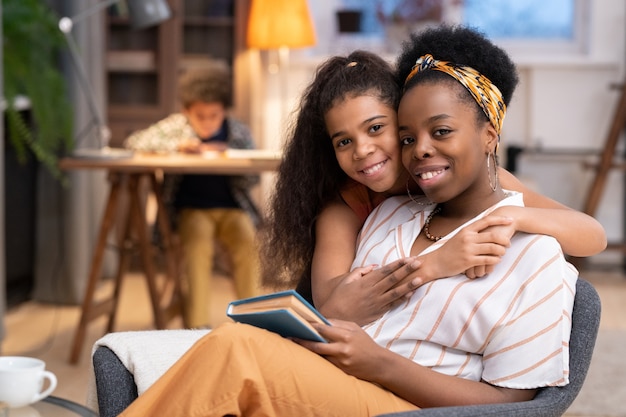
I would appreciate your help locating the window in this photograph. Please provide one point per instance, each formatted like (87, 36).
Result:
(531, 26)
(532, 19)
(522, 27)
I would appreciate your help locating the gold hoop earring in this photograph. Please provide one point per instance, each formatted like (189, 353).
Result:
(421, 203)
(494, 184)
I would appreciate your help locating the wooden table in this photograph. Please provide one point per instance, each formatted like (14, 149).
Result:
(231, 162)
(125, 176)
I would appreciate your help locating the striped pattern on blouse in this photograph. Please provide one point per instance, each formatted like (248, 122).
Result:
(510, 328)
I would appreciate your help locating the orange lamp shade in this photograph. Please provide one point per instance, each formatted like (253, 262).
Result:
(280, 23)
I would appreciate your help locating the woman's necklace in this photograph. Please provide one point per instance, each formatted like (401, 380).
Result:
(427, 225)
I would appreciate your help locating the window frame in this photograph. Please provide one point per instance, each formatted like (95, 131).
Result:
(579, 45)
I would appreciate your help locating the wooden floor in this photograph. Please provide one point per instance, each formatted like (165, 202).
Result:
(46, 331)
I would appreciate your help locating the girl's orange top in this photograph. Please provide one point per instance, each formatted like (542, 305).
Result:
(360, 198)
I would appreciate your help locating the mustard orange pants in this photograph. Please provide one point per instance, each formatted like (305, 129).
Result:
(241, 370)
(199, 229)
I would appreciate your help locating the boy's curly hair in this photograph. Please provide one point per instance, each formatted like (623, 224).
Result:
(210, 83)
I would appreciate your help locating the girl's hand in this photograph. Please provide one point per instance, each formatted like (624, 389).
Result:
(499, 234)
(474, 250)
(365, 294)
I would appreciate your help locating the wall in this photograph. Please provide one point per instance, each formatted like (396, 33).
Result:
(561, 104)
(568, 105)
(68, 224)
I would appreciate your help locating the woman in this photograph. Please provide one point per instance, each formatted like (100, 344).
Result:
(519, 310)
(341, 160)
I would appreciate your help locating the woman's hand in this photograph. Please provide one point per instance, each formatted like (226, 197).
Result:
(352, 350)
(349, 348)
(365, 294)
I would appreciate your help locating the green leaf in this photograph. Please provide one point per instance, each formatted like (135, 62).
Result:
(32, 43)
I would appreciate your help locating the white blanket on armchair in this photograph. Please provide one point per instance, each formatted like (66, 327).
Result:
(147, 354)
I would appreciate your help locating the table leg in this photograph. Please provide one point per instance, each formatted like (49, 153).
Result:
(125, 249)
(165, 302)
(172, 295)
(89, 309)
(137, 211)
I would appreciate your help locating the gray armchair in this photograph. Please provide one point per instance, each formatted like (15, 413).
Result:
(116, 389)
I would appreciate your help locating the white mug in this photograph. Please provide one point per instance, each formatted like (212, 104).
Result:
(22, 380)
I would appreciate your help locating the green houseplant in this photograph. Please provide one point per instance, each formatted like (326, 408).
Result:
(32, 43)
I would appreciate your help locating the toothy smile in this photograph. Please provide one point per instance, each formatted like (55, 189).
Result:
(374, 168)
(430, 174)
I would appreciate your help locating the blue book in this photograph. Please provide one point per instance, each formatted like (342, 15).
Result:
(284, 312)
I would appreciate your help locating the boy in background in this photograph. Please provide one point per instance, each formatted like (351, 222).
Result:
(207, 207)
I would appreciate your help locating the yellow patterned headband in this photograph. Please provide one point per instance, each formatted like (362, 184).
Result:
(484, 92)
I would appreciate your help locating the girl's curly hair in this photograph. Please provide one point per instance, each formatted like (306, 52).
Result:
(309, 176)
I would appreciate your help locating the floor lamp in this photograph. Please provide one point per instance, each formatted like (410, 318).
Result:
(280, 25)
(142, 14)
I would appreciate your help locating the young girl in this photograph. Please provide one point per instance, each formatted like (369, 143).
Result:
(455, 341)
(341, 160)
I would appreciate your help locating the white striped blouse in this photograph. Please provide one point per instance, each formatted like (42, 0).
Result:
(510, 328)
